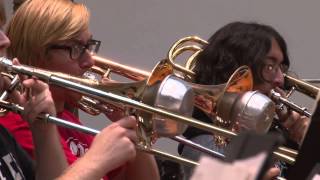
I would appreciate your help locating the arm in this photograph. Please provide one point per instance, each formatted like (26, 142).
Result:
(143, 167)
(111, 148)
(50, 159)
(14, 123)
(272, 173)
(296, 124)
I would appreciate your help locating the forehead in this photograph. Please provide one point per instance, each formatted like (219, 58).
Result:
(275, 54)
(83, 38)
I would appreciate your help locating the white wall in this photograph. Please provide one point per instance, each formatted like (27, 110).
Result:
(140, 32)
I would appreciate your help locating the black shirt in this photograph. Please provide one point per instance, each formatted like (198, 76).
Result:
(192, 131)
(15, 164)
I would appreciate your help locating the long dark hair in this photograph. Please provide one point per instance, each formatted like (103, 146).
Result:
(233, 45)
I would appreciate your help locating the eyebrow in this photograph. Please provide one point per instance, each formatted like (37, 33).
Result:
(272, 58)
(81, 42)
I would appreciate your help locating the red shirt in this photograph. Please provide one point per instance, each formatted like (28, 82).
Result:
(74, 143)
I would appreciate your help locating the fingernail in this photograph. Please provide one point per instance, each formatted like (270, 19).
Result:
(35, 78)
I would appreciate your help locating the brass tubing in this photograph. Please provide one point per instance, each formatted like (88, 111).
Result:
(288, 151)
(60, 79)
(174, 48)
(284, 157)
(126, 71)
(301, 110)
(54, 78)
(302, 86)
(198, 147)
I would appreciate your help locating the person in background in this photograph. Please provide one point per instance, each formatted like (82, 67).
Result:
(264, 50)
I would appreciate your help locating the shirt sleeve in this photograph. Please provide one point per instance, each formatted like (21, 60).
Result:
(20, 130)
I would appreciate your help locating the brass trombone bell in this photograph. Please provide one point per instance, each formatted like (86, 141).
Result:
(248, 111)
(174, 95)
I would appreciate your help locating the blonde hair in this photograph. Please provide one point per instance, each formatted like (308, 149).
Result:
(39, 23)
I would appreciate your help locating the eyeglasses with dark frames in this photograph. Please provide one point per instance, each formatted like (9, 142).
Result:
(270, 70)
(77, 50)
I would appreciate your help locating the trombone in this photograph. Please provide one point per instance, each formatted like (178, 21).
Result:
(67, 81)
(64, 80)
(295, 84)
(187, 74)
(178, 48)
(208, 98)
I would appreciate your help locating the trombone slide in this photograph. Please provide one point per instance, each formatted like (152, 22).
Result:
(60, 122)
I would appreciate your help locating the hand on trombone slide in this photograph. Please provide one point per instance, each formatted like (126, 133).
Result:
(295, 123)
(115, 144)
(36, 97)
(114, 113)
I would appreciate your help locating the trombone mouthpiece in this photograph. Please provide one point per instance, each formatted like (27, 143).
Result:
(274, 95)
